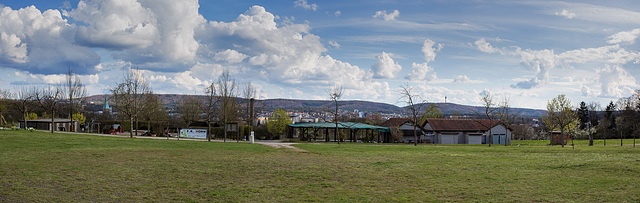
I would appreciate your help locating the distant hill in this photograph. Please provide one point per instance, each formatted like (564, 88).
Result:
(323, 105)
(348, 105)
(452, 109)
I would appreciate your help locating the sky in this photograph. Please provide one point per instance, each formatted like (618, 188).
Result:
(527, 52)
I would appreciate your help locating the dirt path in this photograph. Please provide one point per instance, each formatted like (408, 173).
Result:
(272, 143)
(278, 145)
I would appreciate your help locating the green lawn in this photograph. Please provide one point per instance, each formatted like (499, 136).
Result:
(38, 166)
(578, 143)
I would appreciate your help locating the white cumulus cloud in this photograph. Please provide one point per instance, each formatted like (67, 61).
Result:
(485, 46)
(334, 44)
(41, 42)
(565, 13)
(461, 79)
(12, 48)
(541, 62)
(422, 71)
(387, 16)
(305, 5)
(230, 56)
(616, 82)
(115, 24)
(429, 49)
(538, 61)
(288, 54)
(385, 67)
(626, 37)
(156, 34)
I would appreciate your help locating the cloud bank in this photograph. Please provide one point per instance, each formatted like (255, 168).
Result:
(613, 80)
(42, 42)
(172, 42)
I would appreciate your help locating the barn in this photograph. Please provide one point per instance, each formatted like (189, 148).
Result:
(466, 131)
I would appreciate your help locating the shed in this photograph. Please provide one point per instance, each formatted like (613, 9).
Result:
(61, 124)
(466, 131)
(556, 138)
(300, 130)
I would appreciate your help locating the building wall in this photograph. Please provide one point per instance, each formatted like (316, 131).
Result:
(407, 130)
(498, 132)
(408, 136)
(450, 137)
(474, 138)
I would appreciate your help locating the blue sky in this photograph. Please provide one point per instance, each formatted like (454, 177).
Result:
(527, 51)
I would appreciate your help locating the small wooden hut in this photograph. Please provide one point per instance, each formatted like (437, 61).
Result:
(556, 138)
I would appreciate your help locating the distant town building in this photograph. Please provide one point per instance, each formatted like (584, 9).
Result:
(295, 118)
(309, 120)
(106, 109)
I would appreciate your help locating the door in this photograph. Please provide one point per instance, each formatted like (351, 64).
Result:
(475, 139)
(498, 139)
(449, 139)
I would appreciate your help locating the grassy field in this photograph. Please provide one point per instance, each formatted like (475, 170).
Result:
(38, 166)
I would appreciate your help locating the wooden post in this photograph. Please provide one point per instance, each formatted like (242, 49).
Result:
(326, 134)
(351, 134)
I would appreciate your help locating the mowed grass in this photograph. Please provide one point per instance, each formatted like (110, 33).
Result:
(38, 166)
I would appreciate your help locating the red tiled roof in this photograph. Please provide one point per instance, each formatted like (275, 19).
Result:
(397, 122)
(458, 124)
(484, 124)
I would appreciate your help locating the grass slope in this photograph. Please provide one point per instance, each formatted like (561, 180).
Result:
(37, 166)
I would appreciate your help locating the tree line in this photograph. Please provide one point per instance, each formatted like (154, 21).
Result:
(61, 100)
(617, 120)
(134, 101)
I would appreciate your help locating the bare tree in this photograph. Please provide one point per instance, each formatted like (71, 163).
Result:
(608, 120)
(24, 98)
(74, 92)
(489, 111)
(396, 134)
(208, 106)
(5, 95)
(153, 110)
(48, 99)
(627, 119)
(410, 98)
(189, 109)
(636, 99)
(560, 115)
(228, 104)
(334, 95)
(249, 94)
(594, 118)
(128, 96)
(583, 115)
(629, 116)
(506, 117)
